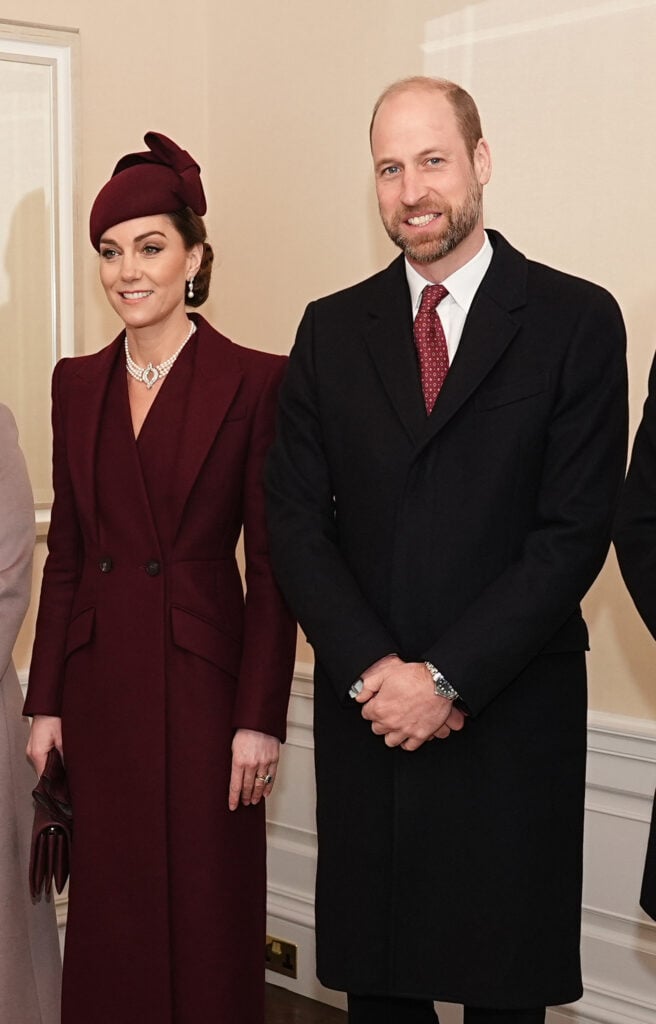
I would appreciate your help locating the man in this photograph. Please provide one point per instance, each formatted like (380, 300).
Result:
(635, 543)
(435, 532)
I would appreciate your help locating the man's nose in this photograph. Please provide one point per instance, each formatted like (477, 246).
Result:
(413, 187)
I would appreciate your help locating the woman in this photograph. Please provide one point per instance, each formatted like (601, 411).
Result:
(165, 690)
(30, 965)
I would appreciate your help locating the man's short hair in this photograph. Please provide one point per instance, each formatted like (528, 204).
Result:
(465, 109)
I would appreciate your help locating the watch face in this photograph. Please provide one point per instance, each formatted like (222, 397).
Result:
(442, 686)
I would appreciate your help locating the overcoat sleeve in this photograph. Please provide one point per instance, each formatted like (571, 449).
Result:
(16, 537)
(516, 616)
(635, 527)
(60, 575)
(269, 628)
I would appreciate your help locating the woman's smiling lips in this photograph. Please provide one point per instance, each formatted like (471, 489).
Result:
(134, 296)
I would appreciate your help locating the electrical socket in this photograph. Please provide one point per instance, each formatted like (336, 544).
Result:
(281, 956)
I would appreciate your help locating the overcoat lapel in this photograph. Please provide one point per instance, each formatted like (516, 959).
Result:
(214, 384)
(491, 325)
(391, 346)
(213, 387)
(87, 390)
(488, 332)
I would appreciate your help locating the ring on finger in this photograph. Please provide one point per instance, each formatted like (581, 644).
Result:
(266, 779)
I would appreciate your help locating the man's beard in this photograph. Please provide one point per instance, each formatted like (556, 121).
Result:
(457, 224)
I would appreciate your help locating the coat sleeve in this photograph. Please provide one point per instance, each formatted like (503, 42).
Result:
(346, 634)
(60, 575)
(520, 612)
(269, 628)
(16, 537)
(635, 527)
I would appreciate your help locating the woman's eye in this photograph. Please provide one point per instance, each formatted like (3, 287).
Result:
(151, 250)
(108, 254)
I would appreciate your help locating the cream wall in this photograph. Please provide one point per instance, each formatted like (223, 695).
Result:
(274, 101)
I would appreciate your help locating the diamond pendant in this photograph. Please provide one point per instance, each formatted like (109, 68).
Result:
(150, 376)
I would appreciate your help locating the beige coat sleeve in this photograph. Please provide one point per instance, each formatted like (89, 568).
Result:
(30, 966)
(16, 537)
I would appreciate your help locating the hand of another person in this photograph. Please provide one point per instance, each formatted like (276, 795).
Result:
(404, 707)
(254, 765)
(46, 733)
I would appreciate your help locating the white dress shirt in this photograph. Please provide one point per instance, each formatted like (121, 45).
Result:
(462, 287)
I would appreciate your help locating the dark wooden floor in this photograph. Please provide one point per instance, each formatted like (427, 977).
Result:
(285, 1007)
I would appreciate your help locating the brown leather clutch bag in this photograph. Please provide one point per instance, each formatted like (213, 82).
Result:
(53, 828)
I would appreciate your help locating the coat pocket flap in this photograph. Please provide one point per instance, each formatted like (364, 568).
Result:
(80, 630)
(206, 640)
(514, 391)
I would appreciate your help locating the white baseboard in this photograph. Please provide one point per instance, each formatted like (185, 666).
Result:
(618, 940)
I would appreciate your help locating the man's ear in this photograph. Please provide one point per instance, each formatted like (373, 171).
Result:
(482, 162)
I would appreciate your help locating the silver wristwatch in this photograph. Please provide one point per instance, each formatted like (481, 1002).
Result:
(442, 686)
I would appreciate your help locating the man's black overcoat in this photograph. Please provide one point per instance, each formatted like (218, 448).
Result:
(635, 543)
(467, 538)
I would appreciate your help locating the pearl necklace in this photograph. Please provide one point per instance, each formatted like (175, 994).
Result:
(150, 374)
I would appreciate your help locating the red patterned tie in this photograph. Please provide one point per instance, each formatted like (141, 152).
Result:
(431, 344)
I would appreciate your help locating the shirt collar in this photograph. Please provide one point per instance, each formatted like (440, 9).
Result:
(462, 285)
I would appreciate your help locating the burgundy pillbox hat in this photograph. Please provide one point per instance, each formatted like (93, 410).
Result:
(162, 180)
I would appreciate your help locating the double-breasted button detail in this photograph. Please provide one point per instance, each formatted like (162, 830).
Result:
(152, 567)
(105, 564)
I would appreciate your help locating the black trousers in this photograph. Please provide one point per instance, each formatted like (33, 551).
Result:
(392, 1010)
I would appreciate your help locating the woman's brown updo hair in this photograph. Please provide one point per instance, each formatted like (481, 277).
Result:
(192, 229)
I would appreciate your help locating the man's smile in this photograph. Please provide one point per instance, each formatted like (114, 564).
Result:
(423, 220)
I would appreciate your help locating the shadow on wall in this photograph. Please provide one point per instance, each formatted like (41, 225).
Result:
(27, 339)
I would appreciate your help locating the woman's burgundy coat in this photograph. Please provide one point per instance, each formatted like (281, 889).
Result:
(147, 649)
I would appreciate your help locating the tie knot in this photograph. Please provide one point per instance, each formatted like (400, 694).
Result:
(431, 297)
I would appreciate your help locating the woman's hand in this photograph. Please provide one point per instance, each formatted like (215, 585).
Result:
(254, 764)
(46, 733)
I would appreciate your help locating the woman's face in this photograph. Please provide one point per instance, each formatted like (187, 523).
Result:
(144, 266)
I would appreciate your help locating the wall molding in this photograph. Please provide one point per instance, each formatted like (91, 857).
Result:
(531, 25)
(618, 941)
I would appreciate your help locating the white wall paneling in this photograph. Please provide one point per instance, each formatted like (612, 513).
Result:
(37, 272)
(618, 939)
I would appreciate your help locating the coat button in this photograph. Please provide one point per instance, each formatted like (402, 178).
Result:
(152, 568)
(105, 565)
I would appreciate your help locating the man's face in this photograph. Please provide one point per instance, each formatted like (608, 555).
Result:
(429, 191)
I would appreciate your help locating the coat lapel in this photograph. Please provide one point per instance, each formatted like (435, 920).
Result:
(214, 384)
(391, 346)
(87, 389)
(491, 325)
